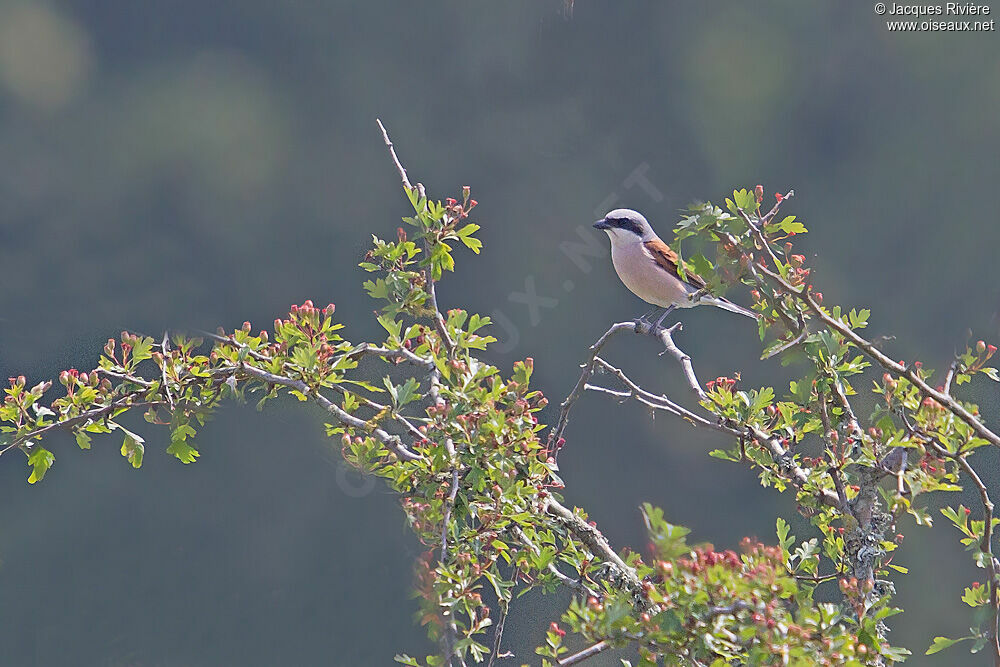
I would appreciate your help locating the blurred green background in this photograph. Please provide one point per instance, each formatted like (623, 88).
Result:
(190, 164)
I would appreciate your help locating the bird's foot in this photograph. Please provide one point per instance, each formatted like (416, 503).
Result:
(643, 327)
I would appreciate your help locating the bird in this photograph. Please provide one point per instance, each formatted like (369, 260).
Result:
(648, 267)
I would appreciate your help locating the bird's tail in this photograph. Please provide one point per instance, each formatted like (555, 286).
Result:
(725, 304)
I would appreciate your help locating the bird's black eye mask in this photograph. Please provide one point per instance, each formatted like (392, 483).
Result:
(627, 224)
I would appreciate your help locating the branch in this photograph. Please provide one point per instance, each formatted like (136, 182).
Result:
(80, 419)
(666, 337)
(986, 544)
(588, 369)
(869, 348)
(569, 582)
(589, 652)
(498, 635)
(395, 159)
(391, 441)
(599, 546)
(450, 627)
(796, 475)
(439, 322)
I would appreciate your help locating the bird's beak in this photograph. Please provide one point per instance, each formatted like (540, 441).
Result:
(602, 224)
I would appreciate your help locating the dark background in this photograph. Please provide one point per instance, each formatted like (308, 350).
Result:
(189, 164)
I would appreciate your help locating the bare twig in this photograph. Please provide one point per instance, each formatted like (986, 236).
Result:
(588, 370)
(401, 354)
(803, 331)
(165, 349)
(589, 652)
(498, 635)
(950, 377)
(666, 337)
(392, 154)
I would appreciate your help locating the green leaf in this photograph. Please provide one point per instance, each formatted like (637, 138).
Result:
(40, 460)
(142, 350)
(390, 325)
(465, 236)
(183, 451)
(179, 445)
(783, 539)
(82, 440)
(404, 393)
(133, 447)
(941, 643)
(859, 319)
(787, 225)
(724, 455)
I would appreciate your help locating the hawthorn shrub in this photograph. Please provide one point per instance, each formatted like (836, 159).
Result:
(477, 475)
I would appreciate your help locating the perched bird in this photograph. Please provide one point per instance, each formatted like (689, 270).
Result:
(648, 267)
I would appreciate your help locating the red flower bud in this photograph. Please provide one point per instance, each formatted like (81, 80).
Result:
(759, 193)
(980, 347)
(779, 196)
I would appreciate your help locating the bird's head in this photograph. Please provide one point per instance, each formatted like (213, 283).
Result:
(624, 225)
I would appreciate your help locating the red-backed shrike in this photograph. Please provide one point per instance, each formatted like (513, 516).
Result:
(648, 267)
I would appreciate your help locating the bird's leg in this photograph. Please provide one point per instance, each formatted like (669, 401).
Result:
(644, 316)
(642, 325)
(663, 316)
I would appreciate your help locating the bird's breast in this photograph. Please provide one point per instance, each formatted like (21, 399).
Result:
(645, 279)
